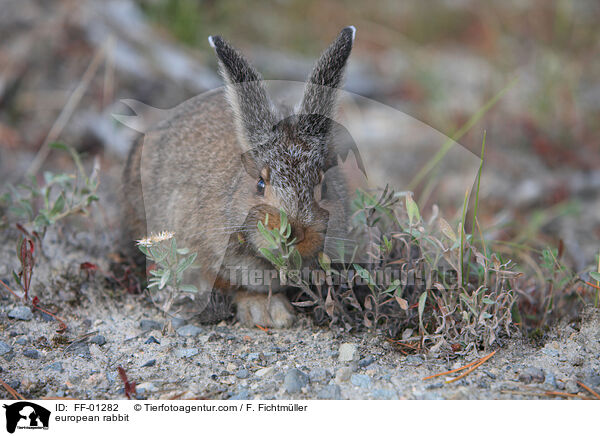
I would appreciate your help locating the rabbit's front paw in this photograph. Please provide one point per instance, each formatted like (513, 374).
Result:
(256, 309)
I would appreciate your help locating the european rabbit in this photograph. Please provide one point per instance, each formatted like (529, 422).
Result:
(222, 162)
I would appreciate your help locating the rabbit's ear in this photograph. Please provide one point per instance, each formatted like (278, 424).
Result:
(246, 94)
(321, 89)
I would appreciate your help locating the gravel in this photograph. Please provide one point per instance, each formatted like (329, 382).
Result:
(330, 392)
(150, 324)
(31, 353)
(22, 313)
(186, 352)
(189, 330)
(98, 340)
(348, 352)
(4, 348)
(361, 380)
(242, 373)
(295, 380)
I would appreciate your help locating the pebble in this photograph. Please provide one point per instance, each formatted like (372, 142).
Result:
(22, 340)
(571, 387)
(330, 392)
(152, 340)
(98, 340)
(414, 360)
(242, 373)
(31, 353)
(178, 322)
(343, 374)
(189, 330)
(550, 380)
(22, 313)
(243, 394)
(55, 366)
(265, 372)
(363, 363)
(4, 348)
(319, 375)
(146, 387)
(348, 352)
(149, 363)
(186, 352)
(150, 324)
(384, 394)
(294, 380)
(361, 380)
(532, 375)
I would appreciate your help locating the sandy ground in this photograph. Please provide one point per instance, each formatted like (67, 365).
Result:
(108, 329)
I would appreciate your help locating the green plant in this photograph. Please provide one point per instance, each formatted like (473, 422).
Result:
(37, 206)
(171, 263)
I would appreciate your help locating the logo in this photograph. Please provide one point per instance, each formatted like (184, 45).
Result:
(26, 415)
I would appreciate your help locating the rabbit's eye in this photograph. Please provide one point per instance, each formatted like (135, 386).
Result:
(260, 187)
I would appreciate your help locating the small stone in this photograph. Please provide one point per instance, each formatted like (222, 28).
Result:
(252, 356)
(186, 352)
(361, 380)
(149, 363)
(22, 313)
(31, 353)
(265, 372)
(4, 348)
(550, 380)
(150, 324)
(145, 387)
(178, 322)
(414, 360)
(189, 330)
(242, 373)
(330, 392)
(243, 394)
(295, 380)
(22, 340)
(348, 352)
(363, 363)
(343, 374)
(532, 375)
(571, 387)
(56, 366)
(98, 340)
(152, 340)
(320, 376)
(384, 394)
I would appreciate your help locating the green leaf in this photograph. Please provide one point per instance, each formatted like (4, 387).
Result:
(186, 263)
(295, 259)
(422, 301)
(487, 300)
(164, 279)
(364, 274)
(189, 288)
(269, 255)
(144, 250)
(413, 210)
(324, 261)
(59, 206)
(283, 223)
(183, 251)
(59, 146)
(595, 275)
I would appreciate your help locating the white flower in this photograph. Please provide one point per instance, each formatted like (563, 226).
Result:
(155, 238)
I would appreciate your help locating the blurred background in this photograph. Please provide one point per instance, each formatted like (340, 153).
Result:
(524, 71)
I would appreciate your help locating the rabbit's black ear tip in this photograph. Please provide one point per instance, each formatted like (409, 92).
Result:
(214, 40)
(351, 29)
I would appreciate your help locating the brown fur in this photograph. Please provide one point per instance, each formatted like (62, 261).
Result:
(189, 175)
